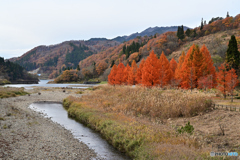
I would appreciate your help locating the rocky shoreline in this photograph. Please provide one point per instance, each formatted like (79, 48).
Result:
(25, 134)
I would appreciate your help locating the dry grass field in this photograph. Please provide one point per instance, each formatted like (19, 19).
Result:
(145, 123)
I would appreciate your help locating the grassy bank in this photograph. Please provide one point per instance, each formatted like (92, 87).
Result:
(131, 120)
(6, 92)
(4, 81)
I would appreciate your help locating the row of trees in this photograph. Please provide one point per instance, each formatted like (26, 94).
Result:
(13, 71)
(194, 70)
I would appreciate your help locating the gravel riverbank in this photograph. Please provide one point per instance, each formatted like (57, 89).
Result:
(25, 134)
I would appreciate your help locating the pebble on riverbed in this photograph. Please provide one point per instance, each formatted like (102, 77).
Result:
(25, 134)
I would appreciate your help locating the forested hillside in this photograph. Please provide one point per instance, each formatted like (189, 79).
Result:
(53, 59)
(14, 73)
(215, 35)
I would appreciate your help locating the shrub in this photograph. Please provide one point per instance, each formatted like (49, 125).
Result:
(187, 128)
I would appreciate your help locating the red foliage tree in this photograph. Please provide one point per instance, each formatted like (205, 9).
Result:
(222, 79)
(150, 73)
(187, 72)
(133, 74)
(173, 65)
(206, 82)
(198, 63)
(112, 75)
(165, 72)
(208, 69)
(120, 74)
(139, 72)
(232, 81)
(126, 74)
(179, 67)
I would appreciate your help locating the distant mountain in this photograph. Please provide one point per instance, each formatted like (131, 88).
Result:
(148, 32)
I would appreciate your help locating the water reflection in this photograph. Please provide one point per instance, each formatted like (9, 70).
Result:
(89, 137)
(43, 83)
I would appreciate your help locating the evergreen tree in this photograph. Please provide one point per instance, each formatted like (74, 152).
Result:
(112, 63)
(233, 55)
(201, 24)
(180, 32)
(78, 68)
(188, 32)
(227, 14)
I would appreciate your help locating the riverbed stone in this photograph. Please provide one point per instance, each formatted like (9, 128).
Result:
(28, 135)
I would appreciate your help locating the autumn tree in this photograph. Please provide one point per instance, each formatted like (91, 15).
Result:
(87, 74)
(112, 75)
(101, 67)
(150, 73)
(165, 72)
(232, 81)
(126, 74)
(133, 74)
(208, 67)
(120, 74)
(187, 73)
(206, 82)
(139, 72)
(222, 78)
(179, 66)
(67, 76)
(198, 63)
(173, 65)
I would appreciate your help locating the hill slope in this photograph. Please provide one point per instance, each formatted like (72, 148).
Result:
(14, 73)
(215, 35)
(52, 59)
(66, 54)
(148, 32)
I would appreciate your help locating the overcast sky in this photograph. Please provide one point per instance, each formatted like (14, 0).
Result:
(25, 24)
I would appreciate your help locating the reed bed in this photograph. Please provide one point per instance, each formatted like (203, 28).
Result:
(119, 113)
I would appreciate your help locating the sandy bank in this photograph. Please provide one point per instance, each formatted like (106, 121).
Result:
(25, 134)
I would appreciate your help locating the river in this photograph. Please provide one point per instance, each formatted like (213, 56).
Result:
(92, 139)
(44, 83)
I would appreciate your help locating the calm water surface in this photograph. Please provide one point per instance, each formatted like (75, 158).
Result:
(43, 83)
(89, 137)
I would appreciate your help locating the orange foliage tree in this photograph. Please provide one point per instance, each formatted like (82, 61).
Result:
(150, 73)
(206, 82)
(198, 63)
(126, 74)
(208, 68)
(173, 65)
(222, 79)
(133, 74)
(139, 72)
(101, 67)
(232, 81)
(112, 75)
(179, 66)
(187, 73)
(165, 72)
(120, 74)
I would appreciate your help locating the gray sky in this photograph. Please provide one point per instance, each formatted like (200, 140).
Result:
(25, 24)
